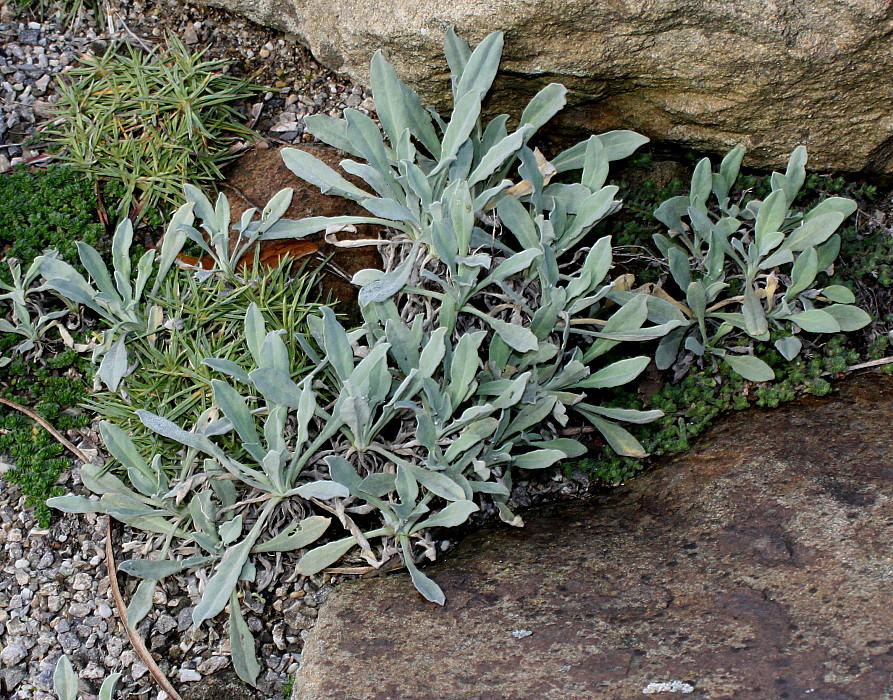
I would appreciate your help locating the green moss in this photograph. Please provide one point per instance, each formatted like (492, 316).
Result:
(41, 209)
(52, 391)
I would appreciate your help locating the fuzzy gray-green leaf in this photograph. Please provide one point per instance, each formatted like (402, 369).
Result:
(241, 643)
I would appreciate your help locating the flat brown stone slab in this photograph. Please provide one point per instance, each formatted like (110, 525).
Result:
(758, 565)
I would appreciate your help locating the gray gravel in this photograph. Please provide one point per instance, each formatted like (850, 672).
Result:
(55, 598)
(34, 53)
(31, 54)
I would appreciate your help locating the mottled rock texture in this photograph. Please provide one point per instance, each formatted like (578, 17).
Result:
(759, 565)
(700, 74)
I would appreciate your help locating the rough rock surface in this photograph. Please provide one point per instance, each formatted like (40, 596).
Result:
(701, 74)
(759, 565)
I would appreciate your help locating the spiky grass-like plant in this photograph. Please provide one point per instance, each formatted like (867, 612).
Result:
(149, 121)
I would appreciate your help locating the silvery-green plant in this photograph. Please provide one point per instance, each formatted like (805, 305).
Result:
(227, 244)
(750, 269)
(29, 320)
(480, 336)
(114, 295)
(65, 682)
(217, 509)
(123, 301)
(444, 189)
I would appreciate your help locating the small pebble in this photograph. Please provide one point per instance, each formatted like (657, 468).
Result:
(188, 675)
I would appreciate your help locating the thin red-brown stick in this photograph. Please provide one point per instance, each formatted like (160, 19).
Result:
(49, 428)
(135, 640)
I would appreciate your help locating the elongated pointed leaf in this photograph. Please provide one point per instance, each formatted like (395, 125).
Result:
(457, 53)
(453, 515)
(544, 105)
(241, 643)
(93, 264)
(322, 489)
(225, 578)
(288, 228)
(538, 459)
(365, 134)
(816, 321)
(572, 448)
(498, 154)
(616, 374)
(840, 294)
(398, 107)
(437, 483)
(849, 318)
(388, 209)
(75, 504)
(388, 284)
(171, 430)
(480, 70)
(201, 205)
(304, 533)
(463, 121)
(121, 242)
(701, 183)
(236, 410)
(516, 337)
(620, 439)
(227, 367)
(65, 681)
(107, 689)
(617, 145)
(314, 171)
(770, 217)
(141, 602)
(754, 314)
(813, 232)
(518, 221)
(332, 131)
(276, 386)
(843, 205)
(254, 331)
(595, 165)
(803, 273)
(627, 415)
(464, 367)
(750, 367)
(512, 266)
(121, 447)
(155, 569)
(728, 173)
(113, 367)
(338, 349)
(321, 557)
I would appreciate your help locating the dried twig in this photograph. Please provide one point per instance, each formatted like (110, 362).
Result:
(49, 428)
(244, 197)
(111, 16)
(135, 641)
(870, 363)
